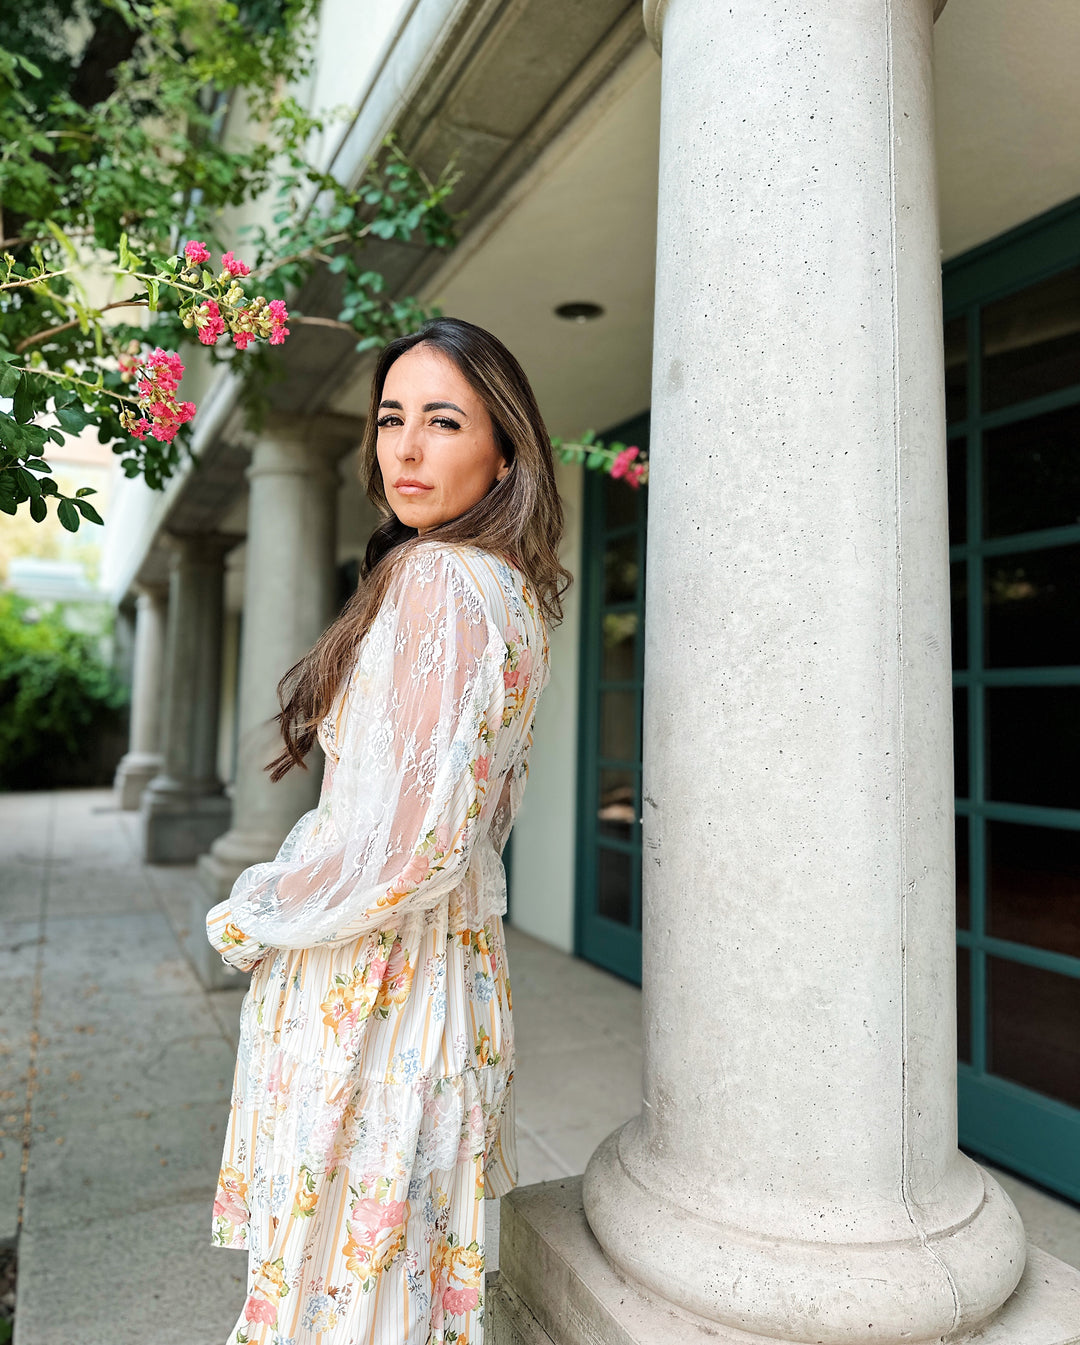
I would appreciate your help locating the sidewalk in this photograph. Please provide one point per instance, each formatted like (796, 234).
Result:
(131, 1065)
(116, 1067)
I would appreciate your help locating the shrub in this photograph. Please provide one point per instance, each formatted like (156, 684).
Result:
(60, 703)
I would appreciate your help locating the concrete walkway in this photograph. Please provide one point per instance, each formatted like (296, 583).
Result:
(116, 1066)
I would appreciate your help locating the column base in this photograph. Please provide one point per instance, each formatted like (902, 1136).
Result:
(933, 1283)
(178, 826)
(133, 775)
(556, 1287)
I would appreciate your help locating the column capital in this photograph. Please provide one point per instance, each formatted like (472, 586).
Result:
(293, 445)
(655, 11)
(150, 594)
(209, 548)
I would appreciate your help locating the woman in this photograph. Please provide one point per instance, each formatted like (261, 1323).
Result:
(372, 1108)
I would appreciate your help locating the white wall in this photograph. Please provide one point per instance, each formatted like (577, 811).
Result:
(542, 864)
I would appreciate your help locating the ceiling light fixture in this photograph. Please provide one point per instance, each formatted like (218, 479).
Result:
(579, 312)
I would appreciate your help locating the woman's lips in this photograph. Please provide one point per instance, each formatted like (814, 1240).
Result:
(410, 488)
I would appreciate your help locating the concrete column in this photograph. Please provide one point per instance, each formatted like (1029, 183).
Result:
(183, 808)
(143, 760)
(794, 1169)
(289, 598)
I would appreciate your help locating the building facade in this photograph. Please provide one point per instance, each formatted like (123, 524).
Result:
(856, 378)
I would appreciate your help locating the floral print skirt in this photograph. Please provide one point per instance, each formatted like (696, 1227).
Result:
(372, 1113)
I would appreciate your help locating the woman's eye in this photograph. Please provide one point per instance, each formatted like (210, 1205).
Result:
(383, 421)
(446, 423)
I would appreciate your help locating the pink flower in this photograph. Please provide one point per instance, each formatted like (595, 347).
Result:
(415, 871)
(156, 384)
(279, 315)
(623, 461)
(196, 253)
(260, 1310)
(241, 340)
(371, 1216)
(461, 1300)
(399, 960)
(442, 837)
(231, 1207)
(480, 770)
(166, 368)
(233, 266)
(209, 322)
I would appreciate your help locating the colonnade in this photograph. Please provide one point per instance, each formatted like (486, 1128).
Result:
(170, 774)
(793, 1174)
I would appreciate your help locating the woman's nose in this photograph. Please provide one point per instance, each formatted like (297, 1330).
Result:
(407, 442)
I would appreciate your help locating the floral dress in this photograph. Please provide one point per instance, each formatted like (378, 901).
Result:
(372, 1109)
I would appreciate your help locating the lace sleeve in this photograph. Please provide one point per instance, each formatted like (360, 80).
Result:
(424, 707)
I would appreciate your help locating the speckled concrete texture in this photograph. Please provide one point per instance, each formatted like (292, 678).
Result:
(557, 1288)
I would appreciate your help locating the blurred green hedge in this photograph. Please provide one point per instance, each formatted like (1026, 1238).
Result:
(61, 705)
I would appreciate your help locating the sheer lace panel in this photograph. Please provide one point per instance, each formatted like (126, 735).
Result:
(424, 706)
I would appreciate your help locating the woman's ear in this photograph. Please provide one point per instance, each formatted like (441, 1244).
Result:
(503, 468)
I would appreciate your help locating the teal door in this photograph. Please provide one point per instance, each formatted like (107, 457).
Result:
(608, 896)
(1012, 353)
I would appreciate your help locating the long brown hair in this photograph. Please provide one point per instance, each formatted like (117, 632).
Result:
(520, 518)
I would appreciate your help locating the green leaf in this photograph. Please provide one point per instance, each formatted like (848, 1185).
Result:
(62, 238)
(88, 511)
(25, 406)
(9, 379)
(73, 418)
(38, 508)
(152, 291)
(28, 481)
(68, 515)
(85, 490)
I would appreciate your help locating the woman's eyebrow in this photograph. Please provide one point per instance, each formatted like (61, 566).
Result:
(428, 406)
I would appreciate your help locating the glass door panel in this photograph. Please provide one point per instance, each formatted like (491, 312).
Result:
(608, 898)
(1014, 523)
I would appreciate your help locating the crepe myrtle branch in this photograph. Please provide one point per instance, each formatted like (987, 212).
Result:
(616, 459)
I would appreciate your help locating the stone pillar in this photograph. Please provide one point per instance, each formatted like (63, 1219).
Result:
(794, 1169)
(183, 808)
(289, 598)
(143, 760)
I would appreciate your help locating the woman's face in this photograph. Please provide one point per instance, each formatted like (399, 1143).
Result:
(434, 430)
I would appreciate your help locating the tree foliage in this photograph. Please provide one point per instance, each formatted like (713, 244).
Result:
(113, 152)
(57, 696)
